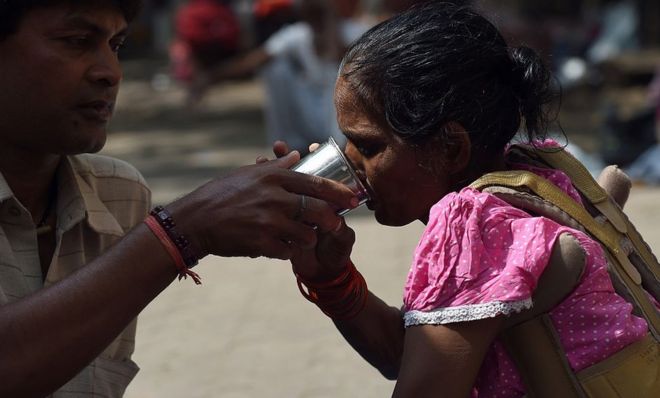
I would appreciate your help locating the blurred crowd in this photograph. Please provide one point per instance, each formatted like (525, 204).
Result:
(293, 46)
(608, 48)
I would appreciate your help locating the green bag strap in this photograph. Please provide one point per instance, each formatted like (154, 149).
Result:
(587, 185)
(605, 232)
(535, 348)
(548, 191)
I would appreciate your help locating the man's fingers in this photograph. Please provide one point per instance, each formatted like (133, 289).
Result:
(276, 248)
(261, 159)
(280, 148)
(321, 188)
(301, 235)
(287, 160)
(317, 187)
(319, 213)
(314, 146)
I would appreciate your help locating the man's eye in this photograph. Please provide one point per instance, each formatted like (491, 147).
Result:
(117, 45)
(78, 40)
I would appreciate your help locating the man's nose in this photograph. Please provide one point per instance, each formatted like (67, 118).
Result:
(106, 69)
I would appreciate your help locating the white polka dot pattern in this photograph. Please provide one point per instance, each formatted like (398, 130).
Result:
(477, 250)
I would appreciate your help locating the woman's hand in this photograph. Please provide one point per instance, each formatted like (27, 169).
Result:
(328, 259)
(333, 248)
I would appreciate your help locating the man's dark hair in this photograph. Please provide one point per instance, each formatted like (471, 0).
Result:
(12, 11)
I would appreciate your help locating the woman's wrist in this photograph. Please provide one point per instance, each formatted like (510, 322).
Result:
(340, 298)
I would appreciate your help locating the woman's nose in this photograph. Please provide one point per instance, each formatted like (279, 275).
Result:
(354, 156)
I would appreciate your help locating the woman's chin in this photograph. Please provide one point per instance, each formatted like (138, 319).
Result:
(391, 220)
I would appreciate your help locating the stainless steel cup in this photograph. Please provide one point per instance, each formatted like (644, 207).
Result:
(328, 161)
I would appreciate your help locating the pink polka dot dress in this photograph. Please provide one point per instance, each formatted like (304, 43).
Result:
(479, 257)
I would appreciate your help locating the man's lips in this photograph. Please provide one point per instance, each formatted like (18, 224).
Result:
(99, 111)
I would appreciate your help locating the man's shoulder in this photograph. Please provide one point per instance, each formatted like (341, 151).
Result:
(118, 184)
(99, 167)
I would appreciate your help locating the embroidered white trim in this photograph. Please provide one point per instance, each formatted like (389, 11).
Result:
(463, 313)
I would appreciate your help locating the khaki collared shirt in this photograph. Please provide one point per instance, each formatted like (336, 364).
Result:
(98, 200)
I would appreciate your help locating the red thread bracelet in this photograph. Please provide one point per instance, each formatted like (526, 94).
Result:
(171, 249)
(341, 298)
(164, 218)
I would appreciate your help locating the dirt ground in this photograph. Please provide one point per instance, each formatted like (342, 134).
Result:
(247, 331)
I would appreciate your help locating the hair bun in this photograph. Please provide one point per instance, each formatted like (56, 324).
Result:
(530, 80)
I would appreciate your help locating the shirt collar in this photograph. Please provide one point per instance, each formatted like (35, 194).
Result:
(5, 191)
(78, 200)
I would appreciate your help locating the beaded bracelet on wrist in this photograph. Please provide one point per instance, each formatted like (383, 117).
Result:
(165, 220)
(177, 246)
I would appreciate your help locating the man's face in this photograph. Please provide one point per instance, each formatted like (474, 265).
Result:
(59, 76)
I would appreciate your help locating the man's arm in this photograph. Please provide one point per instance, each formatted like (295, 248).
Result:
(238, 67)
(48, 337)
(51, 335)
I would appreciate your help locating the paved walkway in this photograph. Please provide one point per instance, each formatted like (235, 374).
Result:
(247, 332)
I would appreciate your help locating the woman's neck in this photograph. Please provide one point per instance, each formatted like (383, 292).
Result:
(479, 168)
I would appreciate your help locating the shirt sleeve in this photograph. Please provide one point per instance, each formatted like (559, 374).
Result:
(479, 257)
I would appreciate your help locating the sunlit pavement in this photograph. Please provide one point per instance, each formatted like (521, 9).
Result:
(247, 331)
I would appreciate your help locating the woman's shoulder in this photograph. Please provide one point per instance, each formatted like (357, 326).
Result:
(478, 250)
(472, 206)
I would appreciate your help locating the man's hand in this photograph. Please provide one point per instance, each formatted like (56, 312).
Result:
(332, 252)
(259, 210)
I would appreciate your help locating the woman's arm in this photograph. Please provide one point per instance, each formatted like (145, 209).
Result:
(443, 360)
(425, 359)
(238, 67)
(377, 334)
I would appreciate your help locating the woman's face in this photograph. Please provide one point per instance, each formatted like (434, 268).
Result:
(404, 186)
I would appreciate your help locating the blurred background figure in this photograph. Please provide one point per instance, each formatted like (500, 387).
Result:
(206, 33)
(270, 16)
(645, 168)
(298, 66)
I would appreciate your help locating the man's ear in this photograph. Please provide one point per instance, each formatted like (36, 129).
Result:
(458, 148)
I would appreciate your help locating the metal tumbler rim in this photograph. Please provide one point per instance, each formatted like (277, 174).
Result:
(351, 167)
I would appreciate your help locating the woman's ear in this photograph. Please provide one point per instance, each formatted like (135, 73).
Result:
(458, 148)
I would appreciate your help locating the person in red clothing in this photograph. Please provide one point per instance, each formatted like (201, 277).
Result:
(207, 32)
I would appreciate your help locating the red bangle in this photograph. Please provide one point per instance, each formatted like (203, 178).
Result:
(171, 249)
(341, 298)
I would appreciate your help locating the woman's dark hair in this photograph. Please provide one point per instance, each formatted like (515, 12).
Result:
(12, 11)
(439, 63)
